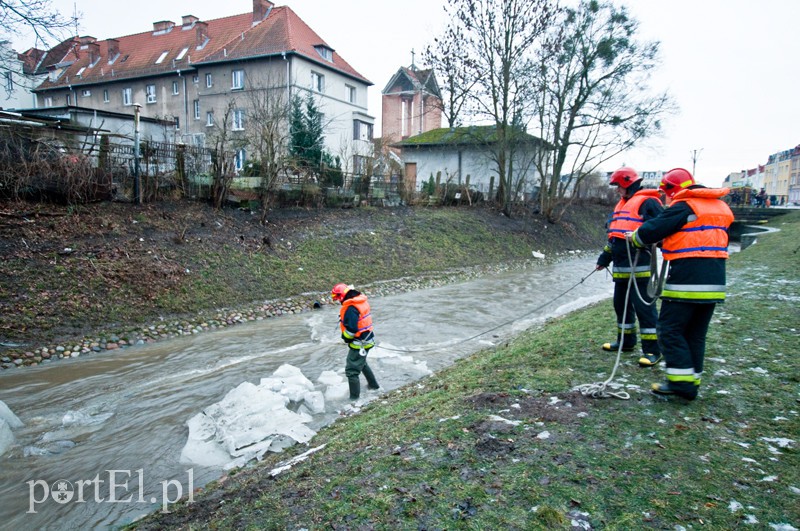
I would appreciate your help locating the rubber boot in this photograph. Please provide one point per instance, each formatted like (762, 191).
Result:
(355, 388)
(372, 383)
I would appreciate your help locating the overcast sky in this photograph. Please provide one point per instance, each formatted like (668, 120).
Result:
(729, 64)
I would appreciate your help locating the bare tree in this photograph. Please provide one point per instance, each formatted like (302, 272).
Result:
(268, 135)
(593, 99)
(496, 42)
(455, 71)
(20, 18)
(226, 143)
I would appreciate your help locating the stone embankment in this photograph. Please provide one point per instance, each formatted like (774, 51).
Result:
(222, 318)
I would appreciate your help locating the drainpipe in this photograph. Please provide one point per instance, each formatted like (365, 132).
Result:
(288, 79)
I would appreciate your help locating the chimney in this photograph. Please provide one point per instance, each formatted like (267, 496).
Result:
(86, 39)
(94, 52)
(113, 48)
(162, 26)
(189, 20)
(201, 34)
(261, 9)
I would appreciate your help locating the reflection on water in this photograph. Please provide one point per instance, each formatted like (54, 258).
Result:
(112, 425)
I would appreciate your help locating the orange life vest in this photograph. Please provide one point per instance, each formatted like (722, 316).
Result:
(707, 235)
(364, 314)
(626, 216)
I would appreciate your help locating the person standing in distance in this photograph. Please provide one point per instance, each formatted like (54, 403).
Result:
(693, 230)
(355, 321)
(635, 206)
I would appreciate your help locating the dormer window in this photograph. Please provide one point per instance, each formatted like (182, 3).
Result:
(324, 52)
(162, 56)
(81, 71)
(180, 55)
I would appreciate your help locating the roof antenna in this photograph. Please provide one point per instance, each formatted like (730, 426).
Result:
(412, 59)
(75, 16)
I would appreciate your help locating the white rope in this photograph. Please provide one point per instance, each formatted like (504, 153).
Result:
(599, 389)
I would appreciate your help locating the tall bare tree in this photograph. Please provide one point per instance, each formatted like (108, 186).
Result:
(593, 98)
(455, 71)
(497, 40)
(269, 110)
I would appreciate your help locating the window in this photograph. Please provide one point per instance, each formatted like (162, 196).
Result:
(177, 123)
(350, 93)
(195, 79)
(85, 93)
(239, 160)
(209, 82)
(209, 119)
(175, 88)
(180, 55)
(69, 99)
(48, 101)
(317, 82)
(80, 72)
(360, 164)
(325, 52)
(105, 95)
(162, 57)
(196, 104)
(127, 97)
(150, 90)
(238, 120)
(8, 81)
(362, 130)
(237, 79)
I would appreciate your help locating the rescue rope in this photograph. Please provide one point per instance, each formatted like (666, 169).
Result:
(500, 325)
(654, 287)
(598, 389)
(655, 284)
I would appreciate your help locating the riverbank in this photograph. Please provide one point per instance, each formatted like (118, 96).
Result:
(501, 441)
(108, 276)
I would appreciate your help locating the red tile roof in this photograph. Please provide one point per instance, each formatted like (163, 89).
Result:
(229, 39)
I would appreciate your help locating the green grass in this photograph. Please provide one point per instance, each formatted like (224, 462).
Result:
(428, 456)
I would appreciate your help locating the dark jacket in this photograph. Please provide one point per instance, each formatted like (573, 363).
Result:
(686, 271)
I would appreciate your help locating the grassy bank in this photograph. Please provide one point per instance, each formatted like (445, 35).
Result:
(110, 267)
(499, 440)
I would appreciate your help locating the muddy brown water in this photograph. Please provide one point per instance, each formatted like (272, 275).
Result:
(103, 433)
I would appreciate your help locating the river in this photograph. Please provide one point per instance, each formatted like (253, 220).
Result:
(114, 424)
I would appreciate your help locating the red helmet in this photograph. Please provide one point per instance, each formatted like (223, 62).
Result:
(339, 291)
(675, 180)
(624, 177)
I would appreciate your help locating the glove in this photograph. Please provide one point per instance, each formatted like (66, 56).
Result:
(630, 237)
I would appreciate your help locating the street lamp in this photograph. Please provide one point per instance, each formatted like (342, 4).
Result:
(137, 190)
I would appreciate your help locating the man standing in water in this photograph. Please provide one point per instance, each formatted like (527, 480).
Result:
(355, 320)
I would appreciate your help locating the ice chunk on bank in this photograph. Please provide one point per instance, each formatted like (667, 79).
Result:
(253, 419)
(7, 415)
(6, 437)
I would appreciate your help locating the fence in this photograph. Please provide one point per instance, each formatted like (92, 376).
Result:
(60, 166)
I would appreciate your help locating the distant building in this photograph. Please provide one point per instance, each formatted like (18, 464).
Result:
(411, 104)
(17, 77)
(462, 156)
(197, 72)
(777, 173)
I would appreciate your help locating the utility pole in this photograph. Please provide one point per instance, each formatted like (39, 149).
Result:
(695, 155)
(137, 184)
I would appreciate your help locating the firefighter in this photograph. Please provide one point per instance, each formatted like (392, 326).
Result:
(693, 230)
(355, 321)
(635, 206)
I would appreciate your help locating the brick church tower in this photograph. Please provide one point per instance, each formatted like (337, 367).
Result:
(411, 104)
